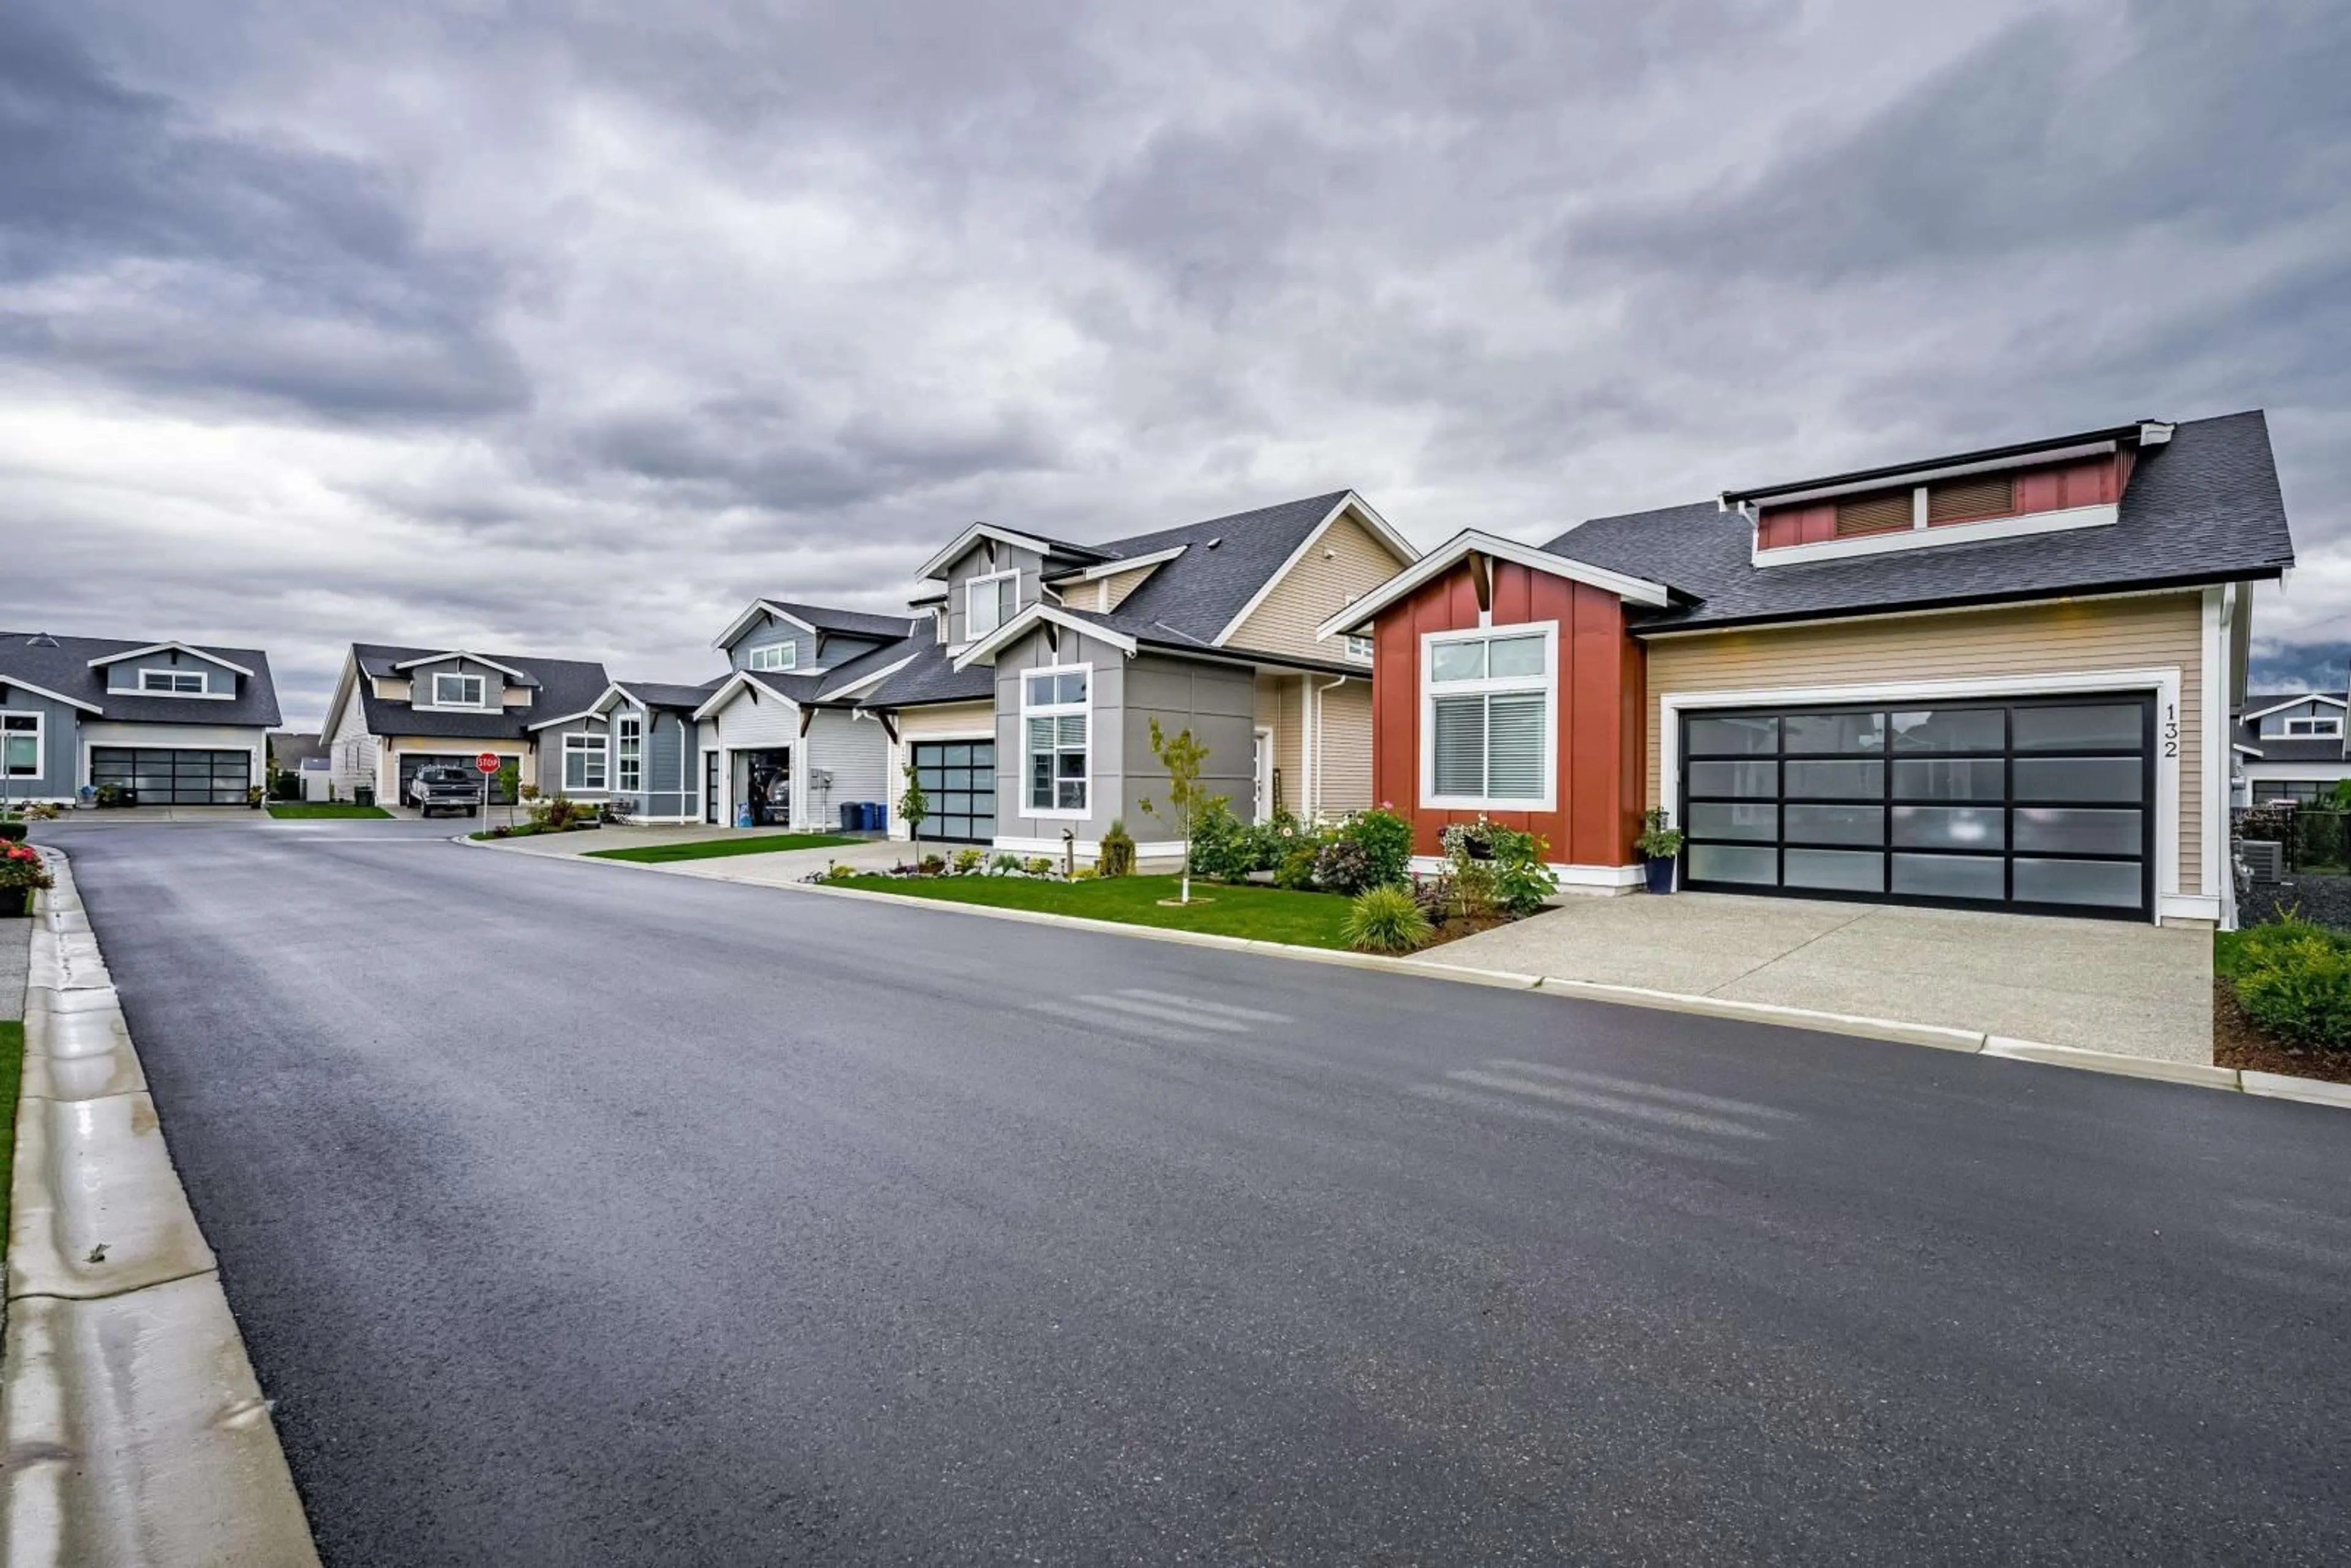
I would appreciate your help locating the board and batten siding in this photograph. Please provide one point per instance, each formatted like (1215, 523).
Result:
(60, 747)
(1342, 564)
(2145, 632)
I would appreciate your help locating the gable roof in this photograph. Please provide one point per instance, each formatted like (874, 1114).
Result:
(1018, 539)
(929, 676)
(73, 670)
(2247, 736)
(2202, 508)
(561, 688)
(1634, 591)
(823, 618)
(1227, 562)
(2278, 702)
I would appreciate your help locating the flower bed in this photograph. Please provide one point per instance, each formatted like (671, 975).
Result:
(2282, 999)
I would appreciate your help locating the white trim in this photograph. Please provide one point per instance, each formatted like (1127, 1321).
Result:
(2212, 766)
(586, 713)
(614, 758)
(789, 646)
(2294, 701)
(1056, 711)
(963, 541)
(1546, 683)
(1398, 546)
(168, 648)
(2022, 526)
(757, 607)
(598, 747)
(2188, 906)
(1126, 563)
(2334, 730)
(1638, 590)
(1908, 478)
(205, 692)
(2248, 751)
(1262, 777)
(985, 651)
(989, 579)
(11, 682)
(2165, 681)
(725, 694)
(41, 773)
(480, 704)
(524, 676)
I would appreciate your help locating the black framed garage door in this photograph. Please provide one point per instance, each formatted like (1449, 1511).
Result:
(958, 780)
(2042, 807)
(175, 776)
(411, 764)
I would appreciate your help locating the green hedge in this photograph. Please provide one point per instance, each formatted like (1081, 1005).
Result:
(2294, 976)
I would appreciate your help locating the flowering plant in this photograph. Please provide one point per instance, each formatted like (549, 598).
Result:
(22, 867)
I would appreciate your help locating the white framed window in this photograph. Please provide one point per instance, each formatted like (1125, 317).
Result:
(457, 691)
(1057, 733)
(1359, 649)
(584, 759)
(20, 744)
(179, 683)
(1490, 718)
(989, 601)
(776, 656)
(2314, 727)
(628, 752)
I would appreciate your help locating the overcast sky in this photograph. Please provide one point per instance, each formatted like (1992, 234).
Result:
(569, 328)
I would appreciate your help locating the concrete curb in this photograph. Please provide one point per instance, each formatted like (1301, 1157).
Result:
(1973, 1042)
(134, 1428)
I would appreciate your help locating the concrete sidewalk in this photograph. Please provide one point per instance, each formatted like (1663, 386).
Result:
(2098, 985)
(770, 869)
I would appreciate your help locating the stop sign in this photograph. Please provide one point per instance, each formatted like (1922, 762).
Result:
(487, 762)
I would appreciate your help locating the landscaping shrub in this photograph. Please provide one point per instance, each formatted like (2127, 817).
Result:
(23, 872)
(1474, 892)
(1385, 840)
(1296, 871)
(12, 832)
(1344, 866)
(1116, 855)
(1003, 864)
(2295, 978)
(934, 866)
(1513, 873)
(1222, 849)
(967, 862)
(1435, 897)
(1386, 920)
(1039, 865)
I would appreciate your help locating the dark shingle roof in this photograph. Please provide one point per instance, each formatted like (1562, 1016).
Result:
(2286, 749)
(61, 665)
(847, 622)
(668, 694)
(931, 677)
(563, 686)
(2203, 507)
(1193, 597)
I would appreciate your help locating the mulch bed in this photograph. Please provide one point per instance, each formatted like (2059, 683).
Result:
(2240, 1041)
(1457, 927)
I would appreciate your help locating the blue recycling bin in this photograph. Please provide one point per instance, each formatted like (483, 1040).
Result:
(877, 817)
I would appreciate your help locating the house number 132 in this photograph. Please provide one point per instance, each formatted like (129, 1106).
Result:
(2171, 730)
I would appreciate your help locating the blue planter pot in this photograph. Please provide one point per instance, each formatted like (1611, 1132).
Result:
(1660, 871)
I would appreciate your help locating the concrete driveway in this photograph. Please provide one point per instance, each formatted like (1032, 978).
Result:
(2101, 984)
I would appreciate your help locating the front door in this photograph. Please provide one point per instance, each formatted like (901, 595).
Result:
(1261, 776)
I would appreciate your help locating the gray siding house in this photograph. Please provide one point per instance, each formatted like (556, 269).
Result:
(2290, 746)
(171, 723)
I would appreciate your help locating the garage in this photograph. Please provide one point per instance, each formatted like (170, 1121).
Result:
(173, 775)
(2035, 806)
(502, 790)
(958, 780)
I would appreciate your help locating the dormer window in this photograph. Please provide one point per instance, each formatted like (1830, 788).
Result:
(776, 656)
(2315, 728)
(175, 683)
(989, 601)
(458, 691)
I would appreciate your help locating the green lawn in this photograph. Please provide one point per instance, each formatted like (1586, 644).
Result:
(315, 811)
(2225, 945)
(719, 849)
(1265, 913)
(12, 1065)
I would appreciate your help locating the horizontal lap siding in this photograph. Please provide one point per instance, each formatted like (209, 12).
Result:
(1346, 562)
(2165, 631)
(1343, 718)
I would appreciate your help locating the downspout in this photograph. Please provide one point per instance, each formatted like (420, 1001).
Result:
(1315, 739)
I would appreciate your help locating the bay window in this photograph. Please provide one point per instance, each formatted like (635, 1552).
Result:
(1490, 703)
(584, 762)
(1055, 727)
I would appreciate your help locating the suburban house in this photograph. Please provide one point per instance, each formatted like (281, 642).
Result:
(1024, 698)
(396, 710)
(178, 724)
(2290, 746)
(1997, 679)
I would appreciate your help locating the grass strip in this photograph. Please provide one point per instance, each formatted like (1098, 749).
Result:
(1261, 914)
(12, 1072)
(325, 810)
(721, 849)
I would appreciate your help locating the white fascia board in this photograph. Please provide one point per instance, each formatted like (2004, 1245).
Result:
(757, 607)
(984, 651)
(864, 683)
(1910, 478)
(1349, 502)
(2029, 523)
(736, 683)
(2294, 701)
(1446, 556)
(1127, 563)
(169, 648)
(568, 719)
(2239, 745)
(9, 680)
(973, 535)
(476, 658)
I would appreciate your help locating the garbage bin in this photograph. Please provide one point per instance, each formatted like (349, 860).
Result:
(362, 794)
(853, 817)
(877, 817)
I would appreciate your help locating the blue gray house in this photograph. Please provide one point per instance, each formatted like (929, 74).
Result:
(172, 723)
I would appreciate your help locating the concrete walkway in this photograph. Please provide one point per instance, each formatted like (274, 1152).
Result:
(2100, 985)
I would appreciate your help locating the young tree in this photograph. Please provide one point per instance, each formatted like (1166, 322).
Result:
(1187, 801)
(914, 805)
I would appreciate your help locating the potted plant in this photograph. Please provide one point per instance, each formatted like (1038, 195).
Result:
(253, 796)
(1659, 846)
(23, 872)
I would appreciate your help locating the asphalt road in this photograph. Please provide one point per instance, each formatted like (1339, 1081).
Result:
(577, 1215)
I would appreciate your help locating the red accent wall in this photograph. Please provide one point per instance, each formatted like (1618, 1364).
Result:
(2088, 482)
(1602, 747)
